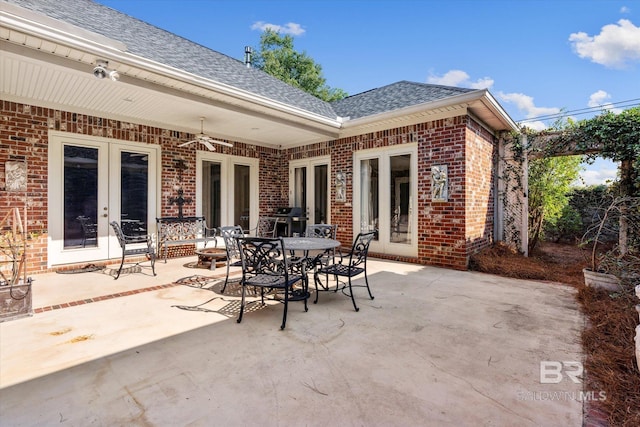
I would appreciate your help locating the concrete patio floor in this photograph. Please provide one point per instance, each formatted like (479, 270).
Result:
(435, 347)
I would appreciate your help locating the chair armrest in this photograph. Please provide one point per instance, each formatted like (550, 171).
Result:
(298, 262)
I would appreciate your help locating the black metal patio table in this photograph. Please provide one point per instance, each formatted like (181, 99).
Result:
(307, 244)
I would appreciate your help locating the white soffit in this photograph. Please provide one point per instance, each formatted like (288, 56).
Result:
(44, 72)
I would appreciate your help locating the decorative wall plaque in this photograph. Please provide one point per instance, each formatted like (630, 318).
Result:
(341, 187)
(15, 176)
(439, 183)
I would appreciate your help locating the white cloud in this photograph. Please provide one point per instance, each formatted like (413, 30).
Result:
(598, 176)
(460, 78)
(625, 9)
(525, 104)
(288, 28)
(597, 99)
(615, 46)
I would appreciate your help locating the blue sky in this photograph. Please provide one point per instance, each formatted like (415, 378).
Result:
(537, 57)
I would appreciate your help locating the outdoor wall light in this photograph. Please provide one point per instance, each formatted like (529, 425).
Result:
(101, 71)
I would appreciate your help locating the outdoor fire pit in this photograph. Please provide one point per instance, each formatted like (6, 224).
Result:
(211, 258)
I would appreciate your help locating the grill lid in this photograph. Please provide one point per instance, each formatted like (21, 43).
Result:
(289, 211)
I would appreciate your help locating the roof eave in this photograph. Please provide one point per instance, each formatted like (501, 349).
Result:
(440, 108)
(33, 24)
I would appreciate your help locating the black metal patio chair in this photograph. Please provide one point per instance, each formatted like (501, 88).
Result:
(126, 243)
(350, 267)
(267, 226)
(229, 234)
(323, 231)
(265, 266)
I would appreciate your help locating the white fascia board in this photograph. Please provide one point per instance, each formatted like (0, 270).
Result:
(464, 99)
(59, 32)
(29, 22)
(493, 104)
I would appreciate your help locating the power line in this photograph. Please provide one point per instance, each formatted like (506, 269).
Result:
(634, 102)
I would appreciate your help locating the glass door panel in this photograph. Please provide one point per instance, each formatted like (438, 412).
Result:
(369, 202)
(320, 194)
(211, 197)
(134, 193)
(80, 200)
(300, 188)
(400, 198)
(242, 195)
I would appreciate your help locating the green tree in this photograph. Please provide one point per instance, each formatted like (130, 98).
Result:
(550, 180)
(278, 57)
(611, 136)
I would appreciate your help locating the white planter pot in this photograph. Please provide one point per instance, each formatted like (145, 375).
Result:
(638, 346)
(597, 280)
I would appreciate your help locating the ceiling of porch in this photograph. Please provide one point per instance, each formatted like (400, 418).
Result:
(67, 83)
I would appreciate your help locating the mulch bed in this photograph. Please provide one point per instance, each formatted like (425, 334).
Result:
(608, 341)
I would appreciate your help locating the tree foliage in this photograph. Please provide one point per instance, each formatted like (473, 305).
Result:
(611, 136)
(608, 135)
(277, 56)
(550, 180)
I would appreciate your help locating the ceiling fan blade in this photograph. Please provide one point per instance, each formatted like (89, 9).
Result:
(208, 145)
(186, 143)
(215, 141)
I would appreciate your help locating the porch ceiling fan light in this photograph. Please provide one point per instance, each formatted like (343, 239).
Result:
(205, 140)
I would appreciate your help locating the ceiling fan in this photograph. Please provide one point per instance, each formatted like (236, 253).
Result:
(205, 140)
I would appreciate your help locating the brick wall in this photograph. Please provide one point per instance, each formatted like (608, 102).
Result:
(480, 187)
(448, 232)
(24, 137)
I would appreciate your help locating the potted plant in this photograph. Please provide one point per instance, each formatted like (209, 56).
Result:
(597, 275)
(610, 268)
(15, 286)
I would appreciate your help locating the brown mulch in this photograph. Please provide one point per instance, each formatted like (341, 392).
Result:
(552, 262)
(608, 338)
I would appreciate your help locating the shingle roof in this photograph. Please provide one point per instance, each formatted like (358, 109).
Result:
(156, 44)
(393, 97)
(148, 41)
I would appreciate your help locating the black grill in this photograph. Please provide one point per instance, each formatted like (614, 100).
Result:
(292, 220)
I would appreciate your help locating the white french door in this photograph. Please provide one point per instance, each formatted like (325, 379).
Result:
(227, 189)
(93, 181)
(309, 188)
(384, 195)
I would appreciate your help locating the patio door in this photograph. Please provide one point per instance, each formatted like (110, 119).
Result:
(385, 191)
(309, 188)
(227, 189)
(93, 181)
